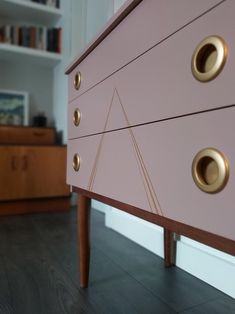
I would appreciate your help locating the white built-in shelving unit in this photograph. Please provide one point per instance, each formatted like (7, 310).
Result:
(15, 53)
(32, 70)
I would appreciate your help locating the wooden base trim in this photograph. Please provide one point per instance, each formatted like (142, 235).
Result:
(34, 206)
(213, 240)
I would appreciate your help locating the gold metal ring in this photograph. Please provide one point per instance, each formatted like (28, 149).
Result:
(76, 162)
(210, 170)
(76, 117)
(77, 80)
(209, 58)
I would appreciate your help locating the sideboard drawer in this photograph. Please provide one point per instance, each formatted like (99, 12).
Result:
(27, 135)
(147, 25)
(150, 167)
(126, 185)
(160, 84)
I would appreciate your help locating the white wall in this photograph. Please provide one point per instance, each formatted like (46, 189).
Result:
(35, 80)
(98, 12)
(117, 4)
(210, 265)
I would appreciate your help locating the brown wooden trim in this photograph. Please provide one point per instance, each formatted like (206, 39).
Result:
(35, 206)
(213, 240)
(84, 206)
(169, 248)
(104, 34)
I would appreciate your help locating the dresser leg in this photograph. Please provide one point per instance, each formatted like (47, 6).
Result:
(169, 248)
(84, 205)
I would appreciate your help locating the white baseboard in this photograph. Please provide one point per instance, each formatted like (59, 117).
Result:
(210, 265)
(100, 206)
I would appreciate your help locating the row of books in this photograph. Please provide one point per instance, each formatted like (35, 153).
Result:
(48, 39)
(51, 3)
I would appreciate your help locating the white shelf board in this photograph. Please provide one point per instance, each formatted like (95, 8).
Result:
(22, 54)
(30, 12)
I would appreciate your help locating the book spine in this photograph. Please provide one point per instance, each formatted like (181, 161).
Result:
(16, 35)
(7, 34)
(59, 40)
(32, 42)
(2, 35)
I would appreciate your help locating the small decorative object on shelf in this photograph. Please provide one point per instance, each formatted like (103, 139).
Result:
(13, 108)
(40, 120)
(51, 3)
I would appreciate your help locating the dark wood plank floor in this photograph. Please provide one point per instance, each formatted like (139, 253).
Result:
(39, 273)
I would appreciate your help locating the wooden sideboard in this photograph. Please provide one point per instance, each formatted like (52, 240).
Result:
(33, 171)
(151, 120)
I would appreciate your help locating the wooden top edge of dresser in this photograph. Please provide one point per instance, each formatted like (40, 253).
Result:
(125, 9)
(27, 127)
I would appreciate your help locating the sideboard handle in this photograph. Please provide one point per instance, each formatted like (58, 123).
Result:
(39, 134)
(76, 162)
(14, 163)
(76, 117)
(77, 80)
(210, 170)
(25, 163)
(209, 58)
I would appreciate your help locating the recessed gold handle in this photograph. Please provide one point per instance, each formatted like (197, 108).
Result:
(209, 58)
(76, 117)
(210, 170)
(76, 162)
(77, 80)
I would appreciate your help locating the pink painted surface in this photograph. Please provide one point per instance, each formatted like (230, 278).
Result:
(116, 172)
(160, 84)
(167, 150)
(149, 23)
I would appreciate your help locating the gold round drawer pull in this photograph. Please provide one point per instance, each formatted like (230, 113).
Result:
(77, 80)
(76, 117)
(210, 170)
(76, 162)
(209, 58)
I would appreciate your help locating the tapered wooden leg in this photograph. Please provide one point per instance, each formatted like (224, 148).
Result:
(84, 205)
(169, 248)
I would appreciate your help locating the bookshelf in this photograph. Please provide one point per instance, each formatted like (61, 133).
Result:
(30, 67)
(34, 14)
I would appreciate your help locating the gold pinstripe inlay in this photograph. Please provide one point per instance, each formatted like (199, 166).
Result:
(150, 192)
(94, 168)
(145, 177)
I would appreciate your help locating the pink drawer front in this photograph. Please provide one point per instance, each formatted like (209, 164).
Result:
(91, 153)
(160, 84)
(150, 167)
(148, 24)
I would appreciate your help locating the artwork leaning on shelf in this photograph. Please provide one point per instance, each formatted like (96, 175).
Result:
(14, 108)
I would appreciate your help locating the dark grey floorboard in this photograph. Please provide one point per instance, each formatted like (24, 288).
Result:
(39, 273)
(170, 285)
(5, 297)
(223, 305)
(111, 290)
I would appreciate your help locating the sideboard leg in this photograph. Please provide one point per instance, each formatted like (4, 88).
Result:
(169, 248)
(84, 205)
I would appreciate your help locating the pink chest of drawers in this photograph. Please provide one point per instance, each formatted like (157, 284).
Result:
(151, 121)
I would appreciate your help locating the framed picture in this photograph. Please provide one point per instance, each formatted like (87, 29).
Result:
(14, 107)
